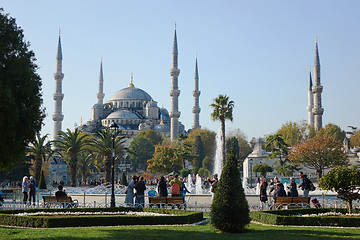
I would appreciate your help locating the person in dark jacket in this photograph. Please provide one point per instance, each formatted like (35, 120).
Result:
(140, 188)
(279, 191)
(162, 187)
(293, 189)
(60, 192)
(263, 193)
(305, 184)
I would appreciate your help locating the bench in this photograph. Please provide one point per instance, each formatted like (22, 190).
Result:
(167, 201)
(292, 202)
(63, 201)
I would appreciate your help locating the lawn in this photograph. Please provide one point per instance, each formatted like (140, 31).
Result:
(205, 231)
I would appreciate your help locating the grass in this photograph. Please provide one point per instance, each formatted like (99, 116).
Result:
(205, 231)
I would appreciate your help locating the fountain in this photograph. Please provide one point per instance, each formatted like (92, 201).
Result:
(218, 162)
(198, 185)
(189, 184)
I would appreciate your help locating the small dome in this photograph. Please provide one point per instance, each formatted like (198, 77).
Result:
(165, 115)
(143, 126)
(122, 114)
(162, 128)
(131, 93)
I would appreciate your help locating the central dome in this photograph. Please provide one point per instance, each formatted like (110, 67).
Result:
(131, 93)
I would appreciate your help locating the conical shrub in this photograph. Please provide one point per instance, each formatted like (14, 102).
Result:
(230, 209)
(123, 179)
(42, 182)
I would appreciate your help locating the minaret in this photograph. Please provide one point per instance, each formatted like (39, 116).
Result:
(311, 101)
(100, 95)
(174, 92)
(58, 95)
(317, 90)
(196, 94)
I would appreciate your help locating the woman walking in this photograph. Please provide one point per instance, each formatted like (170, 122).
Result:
(263, 193)
(25, 189)
(129, 199)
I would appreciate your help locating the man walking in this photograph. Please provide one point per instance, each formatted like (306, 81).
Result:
(305, 184)
(32, 188)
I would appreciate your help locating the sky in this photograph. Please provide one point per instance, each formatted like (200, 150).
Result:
(256, 52)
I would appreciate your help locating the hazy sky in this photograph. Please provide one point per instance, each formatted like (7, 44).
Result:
(256, 52)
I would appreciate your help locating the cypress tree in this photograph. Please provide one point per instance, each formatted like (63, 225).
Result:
(42, 182)
(230, 209)
(123, 179)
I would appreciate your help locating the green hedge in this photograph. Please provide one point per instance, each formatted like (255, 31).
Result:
(7, 217)
(293, 217)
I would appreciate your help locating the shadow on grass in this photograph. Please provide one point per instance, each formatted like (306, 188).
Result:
(179, 232)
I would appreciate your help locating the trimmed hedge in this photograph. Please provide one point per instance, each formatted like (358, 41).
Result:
(7, 217)
(293, 217)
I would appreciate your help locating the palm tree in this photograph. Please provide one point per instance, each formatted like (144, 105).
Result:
(40, 151)
(102, 145)
(223, 109)
(71, 144)
(85, 164)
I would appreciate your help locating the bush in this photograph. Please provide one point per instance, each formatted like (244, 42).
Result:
(204, 172)
(230, 210)
(293, 217)
(7, 217)
(185, 172)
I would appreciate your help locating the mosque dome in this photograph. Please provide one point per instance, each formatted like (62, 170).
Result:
(122, 114)
(165, 114)
(131, 93)
(162, 128)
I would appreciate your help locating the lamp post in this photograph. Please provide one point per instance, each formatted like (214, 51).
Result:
(113, 127)
(250, 162)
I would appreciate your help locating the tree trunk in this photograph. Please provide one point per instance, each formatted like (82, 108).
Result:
(223, 140)
(319, 174)
(73, 170)
(108, 163)
(37, 170)
(350, 206)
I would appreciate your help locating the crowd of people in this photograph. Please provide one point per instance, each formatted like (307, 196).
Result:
(277, 189)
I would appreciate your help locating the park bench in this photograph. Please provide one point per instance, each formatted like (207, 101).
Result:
(167, 202)
(292, 202)
(64, 201)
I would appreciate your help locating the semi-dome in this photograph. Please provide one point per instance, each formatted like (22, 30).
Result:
(131, 93)
(122, 114)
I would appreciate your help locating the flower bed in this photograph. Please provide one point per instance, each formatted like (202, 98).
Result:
(308, 217)
(49, 218)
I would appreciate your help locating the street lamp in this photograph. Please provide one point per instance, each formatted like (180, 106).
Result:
(250, 162)
(113, 127)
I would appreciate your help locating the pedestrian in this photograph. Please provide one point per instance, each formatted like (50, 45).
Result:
(263, 193)
(60, 192)
(279, 191)
(129, 199)
(32, 189)
(162, 187)
(213, 184)
(293, 192)
(183, 189)
(305, 184)
(140, 188)
(25, 189)
(274, 185)
(176, 185)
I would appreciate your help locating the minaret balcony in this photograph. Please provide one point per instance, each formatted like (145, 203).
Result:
(174, 114)
(196, 93)
(100, 95)
(58, 96)
(309, 108)
(58, 117)
(174, 93)
(58, 76)
(317, 89)
(318, 111)
(174, 72)
(196, 110)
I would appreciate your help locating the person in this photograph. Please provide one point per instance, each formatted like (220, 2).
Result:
(32, 189)
(25, 188)
(162, 187)
(60, 192)
(140, 188)
(213, 184)
(176, 185)
(183, 190)
(129, 199)
(293, 190)
(1, 198)
(274, 185)
(263, 193)
(305, 184)
(279, 191)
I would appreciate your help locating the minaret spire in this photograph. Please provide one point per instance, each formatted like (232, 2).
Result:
(174, 91)
(317, 90)
(58, 95)
(311, 101)
(101, 95)
(196, 94)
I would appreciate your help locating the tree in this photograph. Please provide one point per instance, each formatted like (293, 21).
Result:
(42, 182)
(151, 135)
(123, 179)
(293, 133)
(208, 163)
(345, 181)
(164, 160)
(355, 140)
(233, 140)
(230, 209)
(85, 164)
(204, 172)
(21, 114)
(140, 151)
(262, 168)
(332, 130)
(40, 151)
(198, 153)
(102, 145)
(319, 153)
(71, 144)
(223, 109)
(207, 138)
(244, 147)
